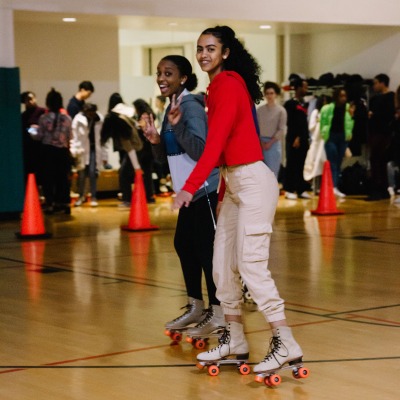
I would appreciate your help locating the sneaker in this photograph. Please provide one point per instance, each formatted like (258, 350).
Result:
(79, 202)
(291, 196)
(94, 203)
(338, 193)
(391, 191)
(305, 195)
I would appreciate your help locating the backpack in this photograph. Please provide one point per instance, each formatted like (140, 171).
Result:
(353, 180)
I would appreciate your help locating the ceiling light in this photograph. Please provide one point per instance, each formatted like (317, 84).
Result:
(265, 26)
(69, 19)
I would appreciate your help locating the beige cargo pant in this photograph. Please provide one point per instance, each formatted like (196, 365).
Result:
(242, 240)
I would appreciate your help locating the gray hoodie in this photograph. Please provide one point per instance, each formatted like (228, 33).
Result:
(183, 144)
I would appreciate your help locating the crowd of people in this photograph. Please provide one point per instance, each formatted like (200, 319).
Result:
(296, 138)
(58, 141)
(330, 127)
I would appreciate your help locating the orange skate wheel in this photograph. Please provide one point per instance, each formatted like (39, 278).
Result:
(303, 372)
(167, 332)
(244, 369)
(189, 339)
(275, 380)
(213, 370)
(176, 336)
(200, 344)
(199, 366)
(267, 381)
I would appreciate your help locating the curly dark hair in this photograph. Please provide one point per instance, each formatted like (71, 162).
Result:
(239, 59)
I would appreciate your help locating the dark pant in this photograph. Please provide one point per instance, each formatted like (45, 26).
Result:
(295, 158)
(126, 176)
(55, 178)
(194, 244)
(90, 171)
(335, 148)
(378, 155)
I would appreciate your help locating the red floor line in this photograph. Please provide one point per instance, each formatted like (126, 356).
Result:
(296, 325)
(89, 358)
(356, 316)
(311, 308)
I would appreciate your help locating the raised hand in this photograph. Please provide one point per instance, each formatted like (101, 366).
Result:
(175, 112)
(150, 131)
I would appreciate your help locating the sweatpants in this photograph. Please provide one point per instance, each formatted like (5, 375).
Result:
(242, 240)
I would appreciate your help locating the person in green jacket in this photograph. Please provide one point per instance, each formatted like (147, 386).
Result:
(336, 127)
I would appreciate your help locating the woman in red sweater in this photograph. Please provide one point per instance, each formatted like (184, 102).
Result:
(242, 239)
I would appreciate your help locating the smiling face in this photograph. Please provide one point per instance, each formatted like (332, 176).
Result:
(169, 78)
(210, 55)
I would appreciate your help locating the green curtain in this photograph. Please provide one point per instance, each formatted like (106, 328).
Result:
(11, 158)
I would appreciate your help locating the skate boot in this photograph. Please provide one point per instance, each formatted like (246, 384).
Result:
(232, 349)
(192, 315)
(283, 350)
(212, 324)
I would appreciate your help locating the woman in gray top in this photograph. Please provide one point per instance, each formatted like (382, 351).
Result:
(272, 121)
(182, 145)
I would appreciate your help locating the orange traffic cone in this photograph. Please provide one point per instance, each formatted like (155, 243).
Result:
(139, 219)
(32, 218)
(327, 200)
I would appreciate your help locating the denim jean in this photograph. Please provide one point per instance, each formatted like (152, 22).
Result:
(335, 148)
(273, 156)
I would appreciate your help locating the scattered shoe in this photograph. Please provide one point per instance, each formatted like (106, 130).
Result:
(291, 196)
(94, 203)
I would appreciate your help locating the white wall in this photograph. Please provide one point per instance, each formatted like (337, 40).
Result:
(63, 56)
(364, 51)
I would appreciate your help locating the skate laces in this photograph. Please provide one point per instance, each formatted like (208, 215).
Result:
(188, 310)
(275, 346)
(224, 339)
(209, 313)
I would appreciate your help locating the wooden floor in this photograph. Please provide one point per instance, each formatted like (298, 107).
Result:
(82, 313)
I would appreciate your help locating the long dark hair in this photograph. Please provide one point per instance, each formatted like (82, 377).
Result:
(239, 59)
(141, 107)
(185, 69)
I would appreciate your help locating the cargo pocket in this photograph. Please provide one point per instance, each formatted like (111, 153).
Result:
(256, 242)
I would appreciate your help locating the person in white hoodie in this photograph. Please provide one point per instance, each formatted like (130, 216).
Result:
(86, 148)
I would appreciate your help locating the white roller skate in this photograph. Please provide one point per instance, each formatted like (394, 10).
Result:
(284, 353)
(193, 314)
(212, 325)
(232, 349)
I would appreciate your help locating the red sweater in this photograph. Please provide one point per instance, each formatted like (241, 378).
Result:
(232, 137)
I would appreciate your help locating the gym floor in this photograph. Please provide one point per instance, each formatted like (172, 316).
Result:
(82, 313)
